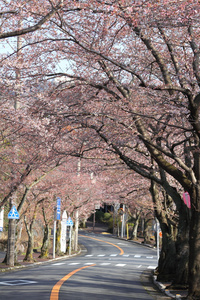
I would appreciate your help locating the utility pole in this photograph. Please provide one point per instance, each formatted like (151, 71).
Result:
(77, 212)
(76, 229)
(57, 210)
(94, 217)
(70, 224)
(54, 232)
(93, 180)
(70, 240)
(12, 222)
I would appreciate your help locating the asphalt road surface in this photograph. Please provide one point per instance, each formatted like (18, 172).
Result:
(109, 269)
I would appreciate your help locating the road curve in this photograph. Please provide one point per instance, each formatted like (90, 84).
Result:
(109, 269)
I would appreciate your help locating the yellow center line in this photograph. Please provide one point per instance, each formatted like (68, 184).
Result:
(121, 250)
(57, 286)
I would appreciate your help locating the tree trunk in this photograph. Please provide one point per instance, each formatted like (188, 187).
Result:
(182, 247)
(45, 243)
(194, 244)
(11, 243)
(84, 223)
(147, 236)
(135, 227)
(72, 238)
(58, 238)
(29, 251)
(194, 238)
(167, 261)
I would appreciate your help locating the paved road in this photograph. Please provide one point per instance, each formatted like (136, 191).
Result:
(110, 269)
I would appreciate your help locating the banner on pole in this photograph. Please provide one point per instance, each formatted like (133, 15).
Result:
(58, 208)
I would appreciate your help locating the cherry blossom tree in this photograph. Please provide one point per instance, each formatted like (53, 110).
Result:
(160, 72)
(132, 71)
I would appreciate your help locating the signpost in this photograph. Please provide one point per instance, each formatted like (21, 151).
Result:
(56, 217)
(70, 223)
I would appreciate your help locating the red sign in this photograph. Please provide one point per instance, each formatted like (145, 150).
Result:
(186, 199)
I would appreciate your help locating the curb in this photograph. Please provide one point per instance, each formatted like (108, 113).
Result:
(162, 288)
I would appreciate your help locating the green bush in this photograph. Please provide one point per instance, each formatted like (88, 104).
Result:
(106, 217)
(110, 224)
(99, 215)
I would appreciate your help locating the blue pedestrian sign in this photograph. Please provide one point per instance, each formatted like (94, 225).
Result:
(58, 208)
(69, 222)
(13, 214)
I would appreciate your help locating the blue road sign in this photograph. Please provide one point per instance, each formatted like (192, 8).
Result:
(13, 214)
(58, 208)
(69, 222)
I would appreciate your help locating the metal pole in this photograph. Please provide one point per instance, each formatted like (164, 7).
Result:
(76, 231)
(122, 228)
(157, 231)
(114, 215)
(94, 219)
(12, 222)
(54, 233)
(70, 240)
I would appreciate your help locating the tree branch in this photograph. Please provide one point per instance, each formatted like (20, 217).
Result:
(34, 27)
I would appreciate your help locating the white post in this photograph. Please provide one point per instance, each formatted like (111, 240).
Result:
(122, 228)
(63, 232)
